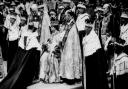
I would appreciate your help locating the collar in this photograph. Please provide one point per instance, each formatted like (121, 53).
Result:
(70, 21)
(83, 15)
(121, 56)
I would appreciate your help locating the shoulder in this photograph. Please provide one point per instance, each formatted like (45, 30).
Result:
(122, 56)
(85, 16)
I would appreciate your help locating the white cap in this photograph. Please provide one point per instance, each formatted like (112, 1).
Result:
(105, 6)
(52, 12)
(88, 25)
(40, 6)
(68, 1)
(34, 7)
(12, 9)
(81, 5)
(61, 7)
(21, 6)
(99, 9)
(124, 15)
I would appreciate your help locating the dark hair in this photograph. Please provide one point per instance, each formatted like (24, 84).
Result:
(62, 18)
(72, 14)
(24, 14)
(31, 27)
(118, 49)
(92, 15)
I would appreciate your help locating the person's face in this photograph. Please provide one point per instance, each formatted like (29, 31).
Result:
(67, 17)
(12, 20)
(88, 29)
(23, 22)
(21, 11)
(13, 6)
(33, 12)
(66, 4)
(53, 29)
(122, 21)
(97, 2)
(106, 10)
(80, 10)
(53, 15)
(113, 39)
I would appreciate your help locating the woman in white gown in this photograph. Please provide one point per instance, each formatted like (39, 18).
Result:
(71, 62)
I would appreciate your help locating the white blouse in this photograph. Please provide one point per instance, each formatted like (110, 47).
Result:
(31, 41)
(13, 30)
(91, 43)
(80, 22)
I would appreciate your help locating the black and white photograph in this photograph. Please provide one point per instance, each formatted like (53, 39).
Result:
(63, 44)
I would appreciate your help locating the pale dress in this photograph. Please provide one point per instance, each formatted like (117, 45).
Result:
(71, 62)
(49, 68)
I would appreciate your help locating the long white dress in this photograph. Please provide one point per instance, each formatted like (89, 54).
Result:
(71, 61)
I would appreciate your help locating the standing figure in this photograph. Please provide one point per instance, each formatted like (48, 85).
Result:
(12, 24)
(81, 20)
(94, 62)
(34, 19)
(80, 23)
(105, 24)
(70, 65)
(3, 33)
(3, 44)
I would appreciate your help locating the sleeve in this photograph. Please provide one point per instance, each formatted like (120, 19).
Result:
(18, 20)
(7, 22)
(27, 6)
(107, 43)
(17, 10)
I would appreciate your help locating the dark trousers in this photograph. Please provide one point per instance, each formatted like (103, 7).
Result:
(81, 35)
(126, 49)
(13, 45)
(37, 65)
(95, 71)
(121, 82)
(3, 43)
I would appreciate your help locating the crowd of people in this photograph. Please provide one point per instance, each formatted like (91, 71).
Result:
(63, 42)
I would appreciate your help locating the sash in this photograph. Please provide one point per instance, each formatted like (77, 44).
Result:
(40, 27)
(66, 33)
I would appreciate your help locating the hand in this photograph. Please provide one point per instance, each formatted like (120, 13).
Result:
(3, 30)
